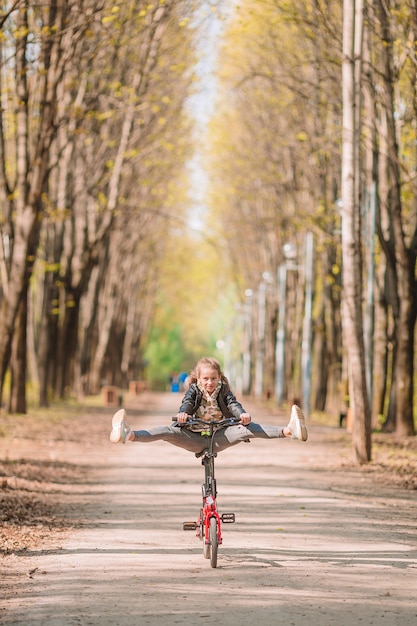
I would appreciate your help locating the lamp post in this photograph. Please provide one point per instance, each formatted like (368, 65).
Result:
(369, 324)
(280, 337)
(290, 255)
(307, 331)
(247, 341)
(260, 344)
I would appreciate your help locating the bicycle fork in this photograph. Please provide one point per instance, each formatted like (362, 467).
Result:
(208, 511)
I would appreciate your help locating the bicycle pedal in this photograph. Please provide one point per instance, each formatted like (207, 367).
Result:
(228, 518)
(189, 526)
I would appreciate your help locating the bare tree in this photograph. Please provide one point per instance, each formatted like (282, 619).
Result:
(397, 234)
(352, 320)
(39, 40)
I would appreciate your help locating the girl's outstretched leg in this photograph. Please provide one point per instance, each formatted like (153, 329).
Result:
(296, 428)
(233, 435)
(180, 437)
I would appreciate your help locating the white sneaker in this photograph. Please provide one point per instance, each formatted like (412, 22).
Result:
(297, 424)
(120, 429)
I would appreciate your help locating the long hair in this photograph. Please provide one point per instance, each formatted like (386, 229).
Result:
(206, 361)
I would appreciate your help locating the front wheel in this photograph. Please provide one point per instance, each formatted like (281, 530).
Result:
(213, 536)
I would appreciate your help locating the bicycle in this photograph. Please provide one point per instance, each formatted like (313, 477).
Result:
(208, 524)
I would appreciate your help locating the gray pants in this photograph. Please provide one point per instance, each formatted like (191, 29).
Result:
(197, 443)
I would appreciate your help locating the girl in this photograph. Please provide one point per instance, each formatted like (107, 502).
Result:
(209, 397)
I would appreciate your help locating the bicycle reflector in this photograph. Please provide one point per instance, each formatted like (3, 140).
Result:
(228, 518)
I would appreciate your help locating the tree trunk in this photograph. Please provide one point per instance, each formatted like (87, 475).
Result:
(321, 362)
(47, 338)
(401, 259)
(352, 321)
(67, 347)
(381, 336)
(17, 402)
(106, 308)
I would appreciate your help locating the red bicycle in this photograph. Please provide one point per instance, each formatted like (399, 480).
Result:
(208, 524)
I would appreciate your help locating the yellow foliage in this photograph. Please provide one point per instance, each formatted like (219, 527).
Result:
(14, 195)
(105, 115)
(20, 33)
(302, 136)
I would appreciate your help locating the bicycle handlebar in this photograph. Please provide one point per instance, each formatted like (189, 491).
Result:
(226, 421)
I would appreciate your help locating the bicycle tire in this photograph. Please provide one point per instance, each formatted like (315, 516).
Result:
(214, 544)
(206, 549)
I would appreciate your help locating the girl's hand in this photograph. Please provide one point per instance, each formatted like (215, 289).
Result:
(245, 418)
(182, 417)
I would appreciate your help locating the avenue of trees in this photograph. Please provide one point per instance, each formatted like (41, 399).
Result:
(93, 140)
(311, 226)
(316, 135)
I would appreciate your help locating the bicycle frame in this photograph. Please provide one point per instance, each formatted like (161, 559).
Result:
(208, 525)
(209, 493)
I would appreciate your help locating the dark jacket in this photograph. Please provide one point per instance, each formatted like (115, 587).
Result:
(226, 400)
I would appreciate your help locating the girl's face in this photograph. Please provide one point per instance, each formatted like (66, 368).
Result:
(208, 378)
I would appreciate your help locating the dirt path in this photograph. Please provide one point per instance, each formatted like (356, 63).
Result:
(314, 544)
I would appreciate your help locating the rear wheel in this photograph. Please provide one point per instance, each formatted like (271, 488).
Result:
(213, 541)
